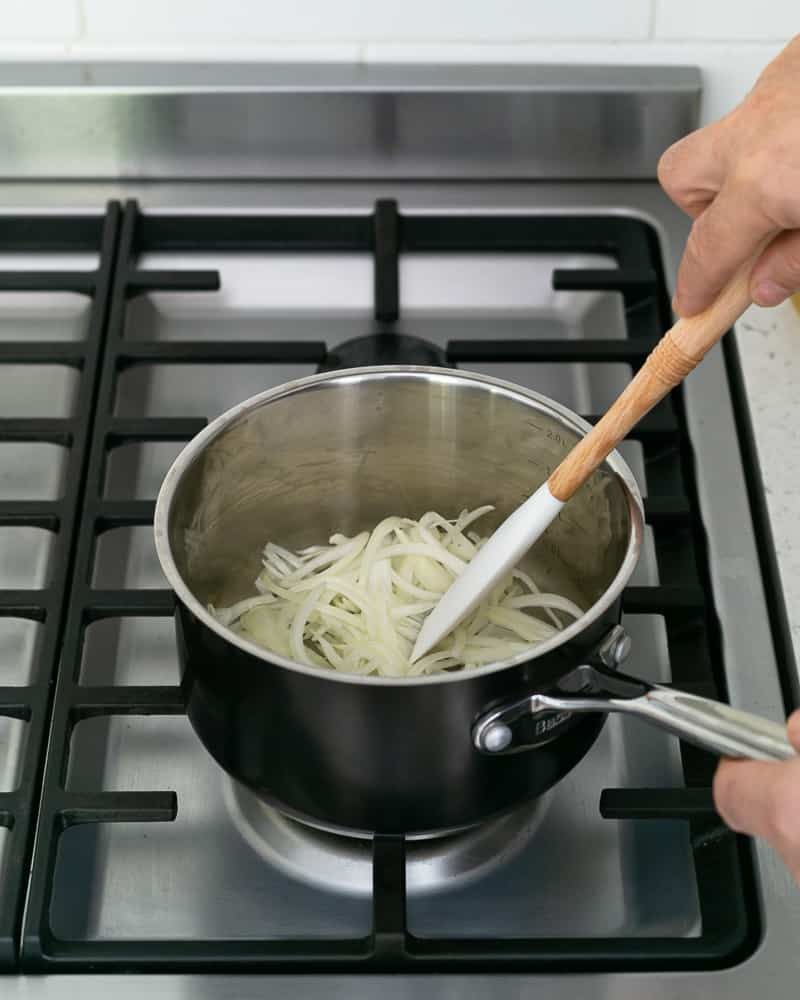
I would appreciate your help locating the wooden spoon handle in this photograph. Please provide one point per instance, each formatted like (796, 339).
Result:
(678, 352)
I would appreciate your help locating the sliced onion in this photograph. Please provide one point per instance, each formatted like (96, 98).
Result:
(357, 604)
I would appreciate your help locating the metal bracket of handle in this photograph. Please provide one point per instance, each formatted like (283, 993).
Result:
(538, 718)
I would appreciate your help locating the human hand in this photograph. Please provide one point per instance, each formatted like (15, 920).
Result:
(763, 799)
(739, 179)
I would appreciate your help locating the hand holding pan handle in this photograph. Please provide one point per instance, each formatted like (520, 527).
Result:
(710, 725)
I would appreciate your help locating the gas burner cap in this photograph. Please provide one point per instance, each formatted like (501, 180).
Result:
(343, 864)
(384, 349)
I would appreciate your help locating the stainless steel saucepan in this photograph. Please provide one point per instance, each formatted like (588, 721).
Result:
(337, 453)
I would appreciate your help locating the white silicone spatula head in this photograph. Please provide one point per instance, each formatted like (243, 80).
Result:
(675, 355)
(491, 563)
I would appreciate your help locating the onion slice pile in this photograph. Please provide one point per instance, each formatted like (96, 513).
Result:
(357, 604)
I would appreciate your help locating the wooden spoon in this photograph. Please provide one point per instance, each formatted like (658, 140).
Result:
(678, 352)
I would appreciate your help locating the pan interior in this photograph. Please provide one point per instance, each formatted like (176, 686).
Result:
(340, 454)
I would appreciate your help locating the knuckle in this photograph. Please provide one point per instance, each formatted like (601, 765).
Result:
(667, 170)
(676, 167)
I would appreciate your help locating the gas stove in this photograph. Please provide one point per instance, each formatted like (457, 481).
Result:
(505, 222)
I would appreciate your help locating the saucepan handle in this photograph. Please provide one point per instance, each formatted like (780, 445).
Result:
(708, 724)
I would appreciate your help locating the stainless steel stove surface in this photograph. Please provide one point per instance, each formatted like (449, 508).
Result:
(120, 345)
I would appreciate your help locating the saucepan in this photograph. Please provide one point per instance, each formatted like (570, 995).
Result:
(337, 453)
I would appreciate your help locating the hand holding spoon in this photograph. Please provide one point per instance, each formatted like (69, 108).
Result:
(678, 352)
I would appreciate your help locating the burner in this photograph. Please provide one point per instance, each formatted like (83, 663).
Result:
(384, 349)
(342, 863)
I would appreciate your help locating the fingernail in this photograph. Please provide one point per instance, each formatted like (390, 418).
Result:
(770, 293)
(675, 304)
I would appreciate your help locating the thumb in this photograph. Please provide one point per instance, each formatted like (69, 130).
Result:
(776, 275)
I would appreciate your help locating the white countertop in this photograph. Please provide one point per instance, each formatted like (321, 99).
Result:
(769, 346)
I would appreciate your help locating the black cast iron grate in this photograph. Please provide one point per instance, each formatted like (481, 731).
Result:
(47, 606)
(721, 862)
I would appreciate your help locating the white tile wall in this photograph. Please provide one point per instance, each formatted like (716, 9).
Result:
(722, 19)
(39, 20)
(729, 41)
(367, 20)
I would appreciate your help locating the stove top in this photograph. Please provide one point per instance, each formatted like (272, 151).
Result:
(124, 849)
